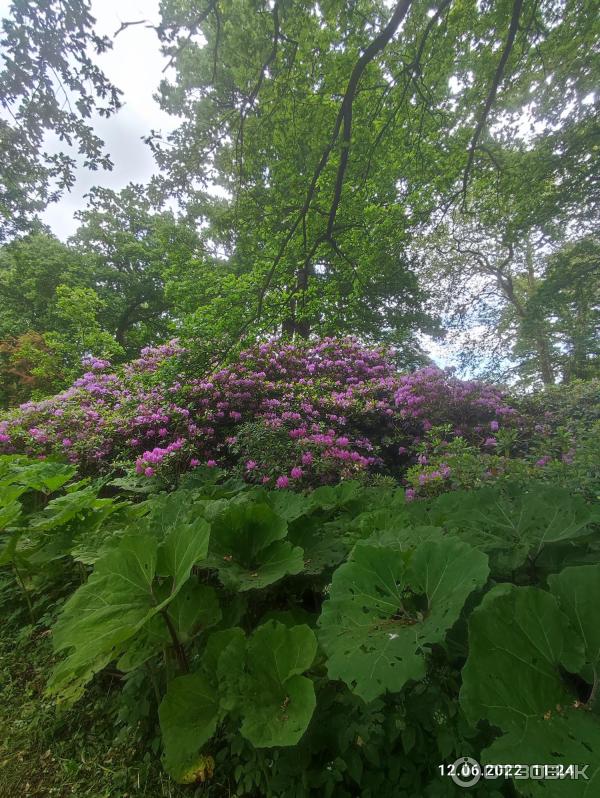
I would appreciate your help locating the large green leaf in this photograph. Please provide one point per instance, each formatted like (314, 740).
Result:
(387, 607)
(195, 703)
(323, 547)
(119, 598)
(103, 613)
(276, 701)
(188, 716)
(518, 641)
(194, 609)
(44, 476)
(578, 593)
(247, 546)
(564, 737)
(512, 525)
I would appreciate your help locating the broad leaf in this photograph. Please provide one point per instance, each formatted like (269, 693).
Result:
(103, 613)
(193, 610)
(567, 736)
(119, 598)
(194, 704)
(512, 525)
(247, 546)
(578, 593)
(276, 701)
(188, 716)
(518, 641)
(387, 607)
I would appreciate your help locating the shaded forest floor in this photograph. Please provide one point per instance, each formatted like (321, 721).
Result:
(45, 753)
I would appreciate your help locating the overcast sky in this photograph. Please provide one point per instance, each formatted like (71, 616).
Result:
(135, 66)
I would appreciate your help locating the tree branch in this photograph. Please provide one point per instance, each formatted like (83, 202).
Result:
(375, 47)
(491, 95)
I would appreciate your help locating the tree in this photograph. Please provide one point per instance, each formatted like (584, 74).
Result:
(134, 251)
(334, 129)
(49, 85)
(527, 310)
(31, 269)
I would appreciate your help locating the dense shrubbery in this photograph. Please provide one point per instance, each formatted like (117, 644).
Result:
(340, 642)
(283, 414)
(336, 639)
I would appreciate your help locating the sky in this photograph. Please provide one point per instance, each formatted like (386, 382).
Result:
(135, 66)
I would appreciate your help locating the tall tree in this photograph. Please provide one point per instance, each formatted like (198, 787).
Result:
(51, 86)
(333, 129)
(134, 251)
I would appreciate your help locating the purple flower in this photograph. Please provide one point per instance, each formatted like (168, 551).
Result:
(149, 472)
(307, 458)
(282, 482)
(494, 426)
(251, 465)
(211, 463)
(409, 494)
(296, 472)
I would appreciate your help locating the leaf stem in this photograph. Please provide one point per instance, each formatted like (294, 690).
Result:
(177, 646)
(25, 593)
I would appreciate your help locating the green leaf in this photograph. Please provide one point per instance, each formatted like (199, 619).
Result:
(119, 598)
(188, 716)
(247, 547)
(387, 607)
(184, 546)
(194, 609)
(323, 547)
(195, 703)
(515, 524)
(277, 702)
(111, 607)
(63, 509)
(289, 505)
(518, 641)
(577, 591)
(565, 737)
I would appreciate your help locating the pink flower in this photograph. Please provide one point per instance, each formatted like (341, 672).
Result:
(409, 494)
(306, 458)
(194, 462)
(296, 472)
(67, 442)
(211, 463)
(251, 465)
(282, 482)
(490, 442)
(149, 472)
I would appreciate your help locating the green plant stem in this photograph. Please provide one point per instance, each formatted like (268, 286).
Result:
(593, 702)
(177, 646)
(25, 593)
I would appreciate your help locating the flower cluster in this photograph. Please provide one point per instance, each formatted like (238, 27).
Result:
(283, 414)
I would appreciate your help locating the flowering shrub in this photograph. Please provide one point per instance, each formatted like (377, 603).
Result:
(283, 415)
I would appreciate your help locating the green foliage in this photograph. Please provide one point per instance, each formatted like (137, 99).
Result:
(386, 609)
(120, 597)
(247, 547)
(271, 633)
(47, 50)
(520, 645)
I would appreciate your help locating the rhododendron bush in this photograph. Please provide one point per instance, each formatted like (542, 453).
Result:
(282, 415)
